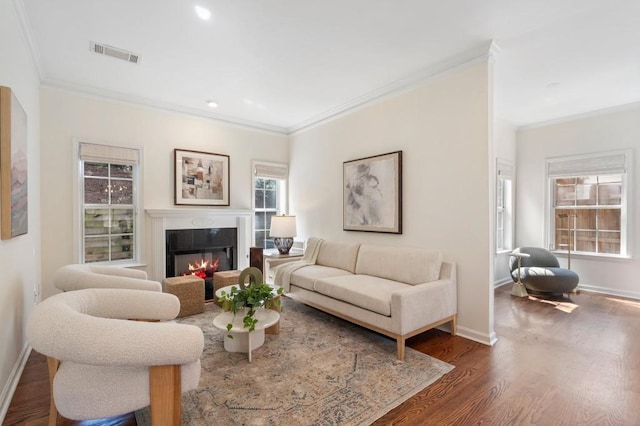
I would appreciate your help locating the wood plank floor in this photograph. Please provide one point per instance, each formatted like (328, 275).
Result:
(549, 367)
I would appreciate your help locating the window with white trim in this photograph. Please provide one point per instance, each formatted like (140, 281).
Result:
(504, 206)
(109, 203)
(588, 200)
(270, 195)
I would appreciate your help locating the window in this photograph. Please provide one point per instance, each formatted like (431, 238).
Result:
(270, 186)
(108, 200)
(504, 207)
(588, 204)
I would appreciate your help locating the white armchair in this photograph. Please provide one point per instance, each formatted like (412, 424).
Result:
(102, 365)
(78, 276)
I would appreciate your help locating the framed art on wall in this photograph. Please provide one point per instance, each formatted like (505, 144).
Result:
(14, 209)
(201, 178)
(373, 194)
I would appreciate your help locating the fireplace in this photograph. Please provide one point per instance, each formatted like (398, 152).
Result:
(159, 221)
(201, 252)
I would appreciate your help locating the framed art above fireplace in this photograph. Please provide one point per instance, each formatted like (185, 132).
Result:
(201, 178)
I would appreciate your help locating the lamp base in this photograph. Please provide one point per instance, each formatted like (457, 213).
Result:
(283, 244)
(519, 290)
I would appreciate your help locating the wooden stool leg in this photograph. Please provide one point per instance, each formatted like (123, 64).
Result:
(52, 365)
(165, 389)
(275, 328)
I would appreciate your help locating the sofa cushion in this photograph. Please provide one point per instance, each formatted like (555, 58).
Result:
(367, 292)
(407, 265)
(306, 277)
(338, 255)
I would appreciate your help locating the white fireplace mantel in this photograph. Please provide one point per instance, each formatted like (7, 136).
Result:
(161, 220)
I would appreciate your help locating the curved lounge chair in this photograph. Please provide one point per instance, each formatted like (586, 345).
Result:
(541, 272)
(103, 365)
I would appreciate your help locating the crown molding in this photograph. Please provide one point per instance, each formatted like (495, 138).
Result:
(581, 116)
(485, 51)
(158, 105)
(25, 27)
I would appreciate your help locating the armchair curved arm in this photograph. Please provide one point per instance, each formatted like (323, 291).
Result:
(88, 327)
(117, 271)
(78, 277)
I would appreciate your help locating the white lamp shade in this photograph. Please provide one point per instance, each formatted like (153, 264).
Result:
(283, 227)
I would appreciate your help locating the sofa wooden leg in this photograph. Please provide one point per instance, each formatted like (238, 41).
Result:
(165, 389)
(400, 342)
(52, 365)
(454, 325)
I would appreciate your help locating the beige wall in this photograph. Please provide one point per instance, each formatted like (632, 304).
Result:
(442, 127)
(20, 256)
(69, 117)
(609, 130)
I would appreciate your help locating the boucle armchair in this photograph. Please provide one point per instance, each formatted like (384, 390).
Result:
(79, 276)
(101, 364)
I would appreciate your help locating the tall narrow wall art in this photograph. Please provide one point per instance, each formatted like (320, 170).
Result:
(14, 209)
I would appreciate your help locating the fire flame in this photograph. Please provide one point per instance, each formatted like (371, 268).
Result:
(200, 269)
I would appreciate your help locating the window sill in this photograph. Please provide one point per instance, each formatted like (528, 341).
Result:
(594, 256)
(504, 251)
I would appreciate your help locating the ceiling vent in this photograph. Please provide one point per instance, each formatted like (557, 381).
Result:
(114, 52)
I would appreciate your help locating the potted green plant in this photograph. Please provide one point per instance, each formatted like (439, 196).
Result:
(249, 297)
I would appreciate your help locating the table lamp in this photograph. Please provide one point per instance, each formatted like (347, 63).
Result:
(283, 229)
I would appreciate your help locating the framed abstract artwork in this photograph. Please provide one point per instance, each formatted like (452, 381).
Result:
(201, 178)
(373, 194)
(14, 209)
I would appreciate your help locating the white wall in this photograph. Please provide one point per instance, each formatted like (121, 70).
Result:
(610, 130)
(442, 127)
(20, 256)
(505, 150)
(67, 117)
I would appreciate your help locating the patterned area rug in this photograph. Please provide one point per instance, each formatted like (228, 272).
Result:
(319, 370)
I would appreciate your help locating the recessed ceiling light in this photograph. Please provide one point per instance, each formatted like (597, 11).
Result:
(203, 13)
(212, 104)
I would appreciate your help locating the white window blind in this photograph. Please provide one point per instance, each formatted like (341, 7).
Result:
(505, 170)
(108, 154)
(271, 171)
(600, 165)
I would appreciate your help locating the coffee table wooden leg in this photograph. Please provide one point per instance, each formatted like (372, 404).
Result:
(275, 328)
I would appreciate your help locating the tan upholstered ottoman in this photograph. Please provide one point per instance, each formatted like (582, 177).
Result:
(225, 278)
(190, 291)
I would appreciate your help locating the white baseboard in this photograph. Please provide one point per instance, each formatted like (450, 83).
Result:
(610, 291)
(476, 336)
(502, 282)
(12, 382)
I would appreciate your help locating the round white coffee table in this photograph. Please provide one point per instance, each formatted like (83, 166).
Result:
(228, 288)
(243, 340)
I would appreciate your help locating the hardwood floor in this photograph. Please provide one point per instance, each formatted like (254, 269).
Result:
(548, 367)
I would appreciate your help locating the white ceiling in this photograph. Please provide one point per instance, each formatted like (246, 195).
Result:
(283, 64)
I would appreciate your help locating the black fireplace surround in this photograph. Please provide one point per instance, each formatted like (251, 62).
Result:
(216, 246)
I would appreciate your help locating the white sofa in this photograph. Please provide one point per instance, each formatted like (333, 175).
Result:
(397, 291)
